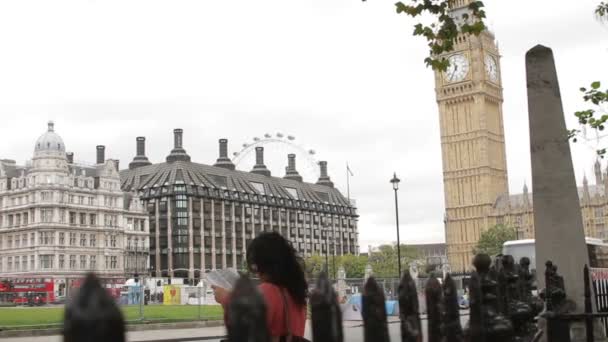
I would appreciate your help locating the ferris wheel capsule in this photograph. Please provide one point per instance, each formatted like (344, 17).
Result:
(311, 152)
(235, 154)
(245, 145)
(291, 137)
(256, 139)
(279, 135)
(267, 135)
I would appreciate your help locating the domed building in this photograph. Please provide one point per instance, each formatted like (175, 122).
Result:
(60, 219)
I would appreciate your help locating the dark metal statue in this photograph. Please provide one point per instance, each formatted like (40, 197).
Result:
(433, 309)
(486, 324)
(526, 284)
(326, 313)
(518, 311)
(247, 314)
(451, 328)
(556, 303)
(409, 310)
(555, 290)
(374, 313)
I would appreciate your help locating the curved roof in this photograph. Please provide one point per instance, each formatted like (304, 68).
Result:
(201, 178)
(49, 141)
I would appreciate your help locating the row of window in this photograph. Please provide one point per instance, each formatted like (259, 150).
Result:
(235, 195)
(75, 181)
(74, 218)
(19, 263)
(57, 197)
(47, 238)
(265, 213)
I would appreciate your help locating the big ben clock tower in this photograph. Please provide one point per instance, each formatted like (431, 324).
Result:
(469, 97)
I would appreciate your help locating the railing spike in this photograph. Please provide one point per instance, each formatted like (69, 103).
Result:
(326, 313)
(451, 328)
(247, 314)
(374, 313)
(475, 331)
(433, 309)
(409, 309)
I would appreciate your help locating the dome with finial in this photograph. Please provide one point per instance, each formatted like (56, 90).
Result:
(49, 141)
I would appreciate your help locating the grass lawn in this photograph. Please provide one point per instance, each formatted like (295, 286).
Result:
(45, 316)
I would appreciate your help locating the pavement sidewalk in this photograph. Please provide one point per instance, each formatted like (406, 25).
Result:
(137, 336)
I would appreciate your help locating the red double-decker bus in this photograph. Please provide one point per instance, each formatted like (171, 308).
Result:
(113, 286)
(27, 291)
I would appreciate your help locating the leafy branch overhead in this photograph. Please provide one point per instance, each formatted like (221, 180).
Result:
(594, 118)
(442, 33)
(602, 10)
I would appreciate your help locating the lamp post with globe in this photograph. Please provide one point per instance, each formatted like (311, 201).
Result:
(395, 181)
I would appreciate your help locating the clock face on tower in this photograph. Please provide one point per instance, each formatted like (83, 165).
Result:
(491, 68)
(458, 68)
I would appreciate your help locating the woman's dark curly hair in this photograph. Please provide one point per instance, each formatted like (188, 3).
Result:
(273, 256)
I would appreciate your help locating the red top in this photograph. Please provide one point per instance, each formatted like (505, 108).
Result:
(275, 314)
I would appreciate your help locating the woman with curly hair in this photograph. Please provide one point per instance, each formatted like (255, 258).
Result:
(274, 261)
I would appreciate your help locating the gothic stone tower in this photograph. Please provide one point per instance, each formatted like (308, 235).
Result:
(469, 97)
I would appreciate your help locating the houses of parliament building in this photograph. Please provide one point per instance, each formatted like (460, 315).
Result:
(469, 97)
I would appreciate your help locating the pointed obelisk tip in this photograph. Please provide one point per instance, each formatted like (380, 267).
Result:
(539, 50)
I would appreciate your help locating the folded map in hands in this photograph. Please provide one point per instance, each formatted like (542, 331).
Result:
(225, 278)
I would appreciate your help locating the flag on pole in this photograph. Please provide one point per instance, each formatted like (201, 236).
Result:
(348, 169)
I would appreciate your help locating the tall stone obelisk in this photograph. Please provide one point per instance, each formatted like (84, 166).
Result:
(558, 222)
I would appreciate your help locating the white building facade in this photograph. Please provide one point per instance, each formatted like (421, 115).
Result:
(61, 220)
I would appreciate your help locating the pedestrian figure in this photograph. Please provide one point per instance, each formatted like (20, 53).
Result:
(283, 286)
(92, 315)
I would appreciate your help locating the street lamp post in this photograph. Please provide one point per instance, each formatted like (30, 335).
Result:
(395, 181)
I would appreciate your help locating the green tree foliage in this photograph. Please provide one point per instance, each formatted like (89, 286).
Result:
(597, 116)
(384, 260)
(354, 265)
(441, 34)
(491, 240)
(594, 117)
(602, 10)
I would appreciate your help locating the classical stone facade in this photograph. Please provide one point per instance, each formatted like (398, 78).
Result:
(469, 98)
(60, 219)
(202, 217)
(517, 210)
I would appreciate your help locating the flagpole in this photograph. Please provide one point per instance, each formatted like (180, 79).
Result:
(348, 183)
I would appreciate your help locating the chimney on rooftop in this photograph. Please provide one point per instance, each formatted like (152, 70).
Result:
(178, 153)
(290, 170)
(140, 158)
(101, 154)
(324, 178)
(259, 166)
(223, 160)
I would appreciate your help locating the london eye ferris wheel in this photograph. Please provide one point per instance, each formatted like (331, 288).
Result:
(276, 148)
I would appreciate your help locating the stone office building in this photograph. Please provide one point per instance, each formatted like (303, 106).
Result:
(60, 219)
(202, 217)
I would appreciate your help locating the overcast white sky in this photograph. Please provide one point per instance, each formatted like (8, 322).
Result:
(344, 76)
